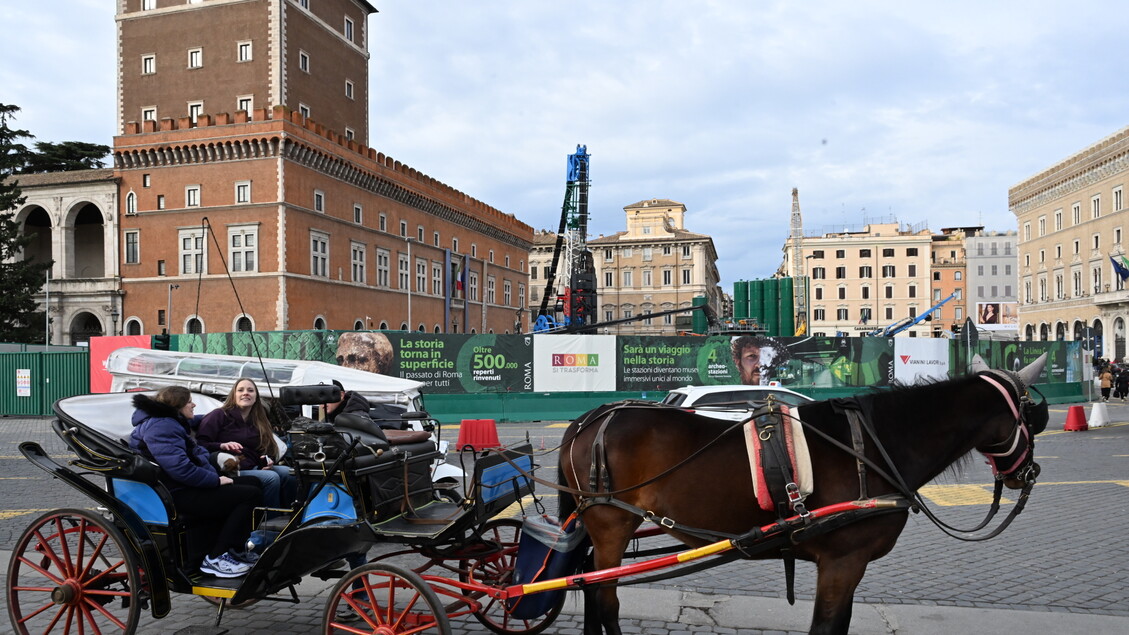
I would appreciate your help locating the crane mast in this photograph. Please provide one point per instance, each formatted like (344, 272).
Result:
(578, 302)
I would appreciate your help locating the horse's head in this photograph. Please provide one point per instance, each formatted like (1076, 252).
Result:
(1012, 453)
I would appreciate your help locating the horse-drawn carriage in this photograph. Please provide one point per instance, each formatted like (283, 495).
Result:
(623, 465)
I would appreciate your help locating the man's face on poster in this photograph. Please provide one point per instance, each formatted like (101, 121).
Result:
(749, 365)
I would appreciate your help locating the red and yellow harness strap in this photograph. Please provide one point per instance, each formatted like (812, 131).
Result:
(615, 573)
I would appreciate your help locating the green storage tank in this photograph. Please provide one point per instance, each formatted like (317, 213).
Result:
(740, 299)
(756, 300)
(701, 324)
(787, 308)
(769, 295)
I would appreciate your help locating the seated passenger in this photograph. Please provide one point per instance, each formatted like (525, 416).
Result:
(350, 402)
(161, 433)
(240, 426)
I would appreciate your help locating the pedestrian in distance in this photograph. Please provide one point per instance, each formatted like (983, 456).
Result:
(1122, 383)
(1106, 379)
(162, 433)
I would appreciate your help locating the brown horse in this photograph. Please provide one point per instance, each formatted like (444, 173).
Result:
(672, 463)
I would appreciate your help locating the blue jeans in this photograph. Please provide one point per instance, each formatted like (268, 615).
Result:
(279, 485)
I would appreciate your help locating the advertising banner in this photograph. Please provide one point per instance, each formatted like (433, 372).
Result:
(997, 316)
(447, 363)
(663, 363)
(919, 359)
(571, 363)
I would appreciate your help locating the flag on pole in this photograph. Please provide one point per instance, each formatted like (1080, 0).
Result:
(1121, 269)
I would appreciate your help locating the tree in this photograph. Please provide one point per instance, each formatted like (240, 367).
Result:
(64, 156)
(20, 279)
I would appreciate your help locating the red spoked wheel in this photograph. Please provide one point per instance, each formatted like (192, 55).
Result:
(72, 571)
(496, 568)
(384, 599)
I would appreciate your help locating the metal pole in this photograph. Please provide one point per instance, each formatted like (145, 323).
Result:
(47, 311)
(411, 274)
(168, 309)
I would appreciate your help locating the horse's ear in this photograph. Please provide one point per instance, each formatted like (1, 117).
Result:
(1033, 371)
(978, 365)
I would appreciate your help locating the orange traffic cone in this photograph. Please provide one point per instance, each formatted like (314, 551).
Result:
(1075, 420)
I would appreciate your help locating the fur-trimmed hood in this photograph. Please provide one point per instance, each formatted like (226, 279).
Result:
(148, 407)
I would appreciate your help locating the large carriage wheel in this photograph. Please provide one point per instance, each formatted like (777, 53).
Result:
(388, 600)
(497, 569)
(72, 571)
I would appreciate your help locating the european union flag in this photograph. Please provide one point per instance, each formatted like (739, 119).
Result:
(1122, 270)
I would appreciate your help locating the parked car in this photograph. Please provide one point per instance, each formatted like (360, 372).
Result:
(731, 402)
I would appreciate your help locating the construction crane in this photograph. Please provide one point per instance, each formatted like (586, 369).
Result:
(901, 325)
(578, 301)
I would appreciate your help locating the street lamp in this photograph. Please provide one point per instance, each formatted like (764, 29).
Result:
(114, 315)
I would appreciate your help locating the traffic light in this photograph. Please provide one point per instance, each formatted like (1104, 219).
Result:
(161, 342)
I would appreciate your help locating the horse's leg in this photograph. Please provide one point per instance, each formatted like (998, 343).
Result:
(836, 581)
(611, 531)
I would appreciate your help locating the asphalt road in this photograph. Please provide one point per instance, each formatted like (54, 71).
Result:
(1065, 555)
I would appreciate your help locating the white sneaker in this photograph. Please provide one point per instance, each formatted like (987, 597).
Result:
(224, 566)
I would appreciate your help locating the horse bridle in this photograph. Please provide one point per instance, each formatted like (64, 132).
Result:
(1014, 457)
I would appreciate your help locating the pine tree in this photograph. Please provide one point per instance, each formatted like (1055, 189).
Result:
(20, 279)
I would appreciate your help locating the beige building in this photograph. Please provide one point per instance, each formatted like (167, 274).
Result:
(865, 280)
(655, 265)
(1071, 220)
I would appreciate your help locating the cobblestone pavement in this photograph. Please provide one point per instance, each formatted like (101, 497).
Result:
(1064, 554)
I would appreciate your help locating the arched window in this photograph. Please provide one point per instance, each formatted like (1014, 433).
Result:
(195, 326)
(358, 326)
(244, 324)
(437, 329)
(403, 326)
(319, 324)
(422, 328)
(384, 326)
(130, 204)
(133, 327)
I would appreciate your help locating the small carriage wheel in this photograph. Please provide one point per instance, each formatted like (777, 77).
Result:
(497, 569)
(387, 600)
(75, 572)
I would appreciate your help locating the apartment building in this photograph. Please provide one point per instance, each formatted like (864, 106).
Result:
(1071, 219)
(243, 152)
(868, 279)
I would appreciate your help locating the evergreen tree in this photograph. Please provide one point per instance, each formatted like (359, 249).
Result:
(64, 156)
(20, 279)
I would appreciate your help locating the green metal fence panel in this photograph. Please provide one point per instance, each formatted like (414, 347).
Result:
(21, 378)
(64, 375)
(539, 406)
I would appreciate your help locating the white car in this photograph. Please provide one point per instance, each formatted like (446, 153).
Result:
(731, 402)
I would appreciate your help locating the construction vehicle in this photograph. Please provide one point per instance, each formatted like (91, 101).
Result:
(575, 308)
(901, 325)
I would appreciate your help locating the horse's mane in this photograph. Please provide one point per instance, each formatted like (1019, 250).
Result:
(901, 402)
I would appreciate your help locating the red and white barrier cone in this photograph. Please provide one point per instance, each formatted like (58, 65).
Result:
(1076, 419)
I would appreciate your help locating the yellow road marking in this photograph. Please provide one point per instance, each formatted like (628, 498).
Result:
(981, 493)
(558, 425)
(15, 513)
(19, 478)
(953, 495)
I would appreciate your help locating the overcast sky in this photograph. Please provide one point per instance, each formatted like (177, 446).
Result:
(924, 112)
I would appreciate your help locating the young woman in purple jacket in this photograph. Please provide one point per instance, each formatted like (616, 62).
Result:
(241, 426)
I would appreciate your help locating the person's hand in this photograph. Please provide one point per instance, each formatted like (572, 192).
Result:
(231, 446)
(224, 480)
(268, 461)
